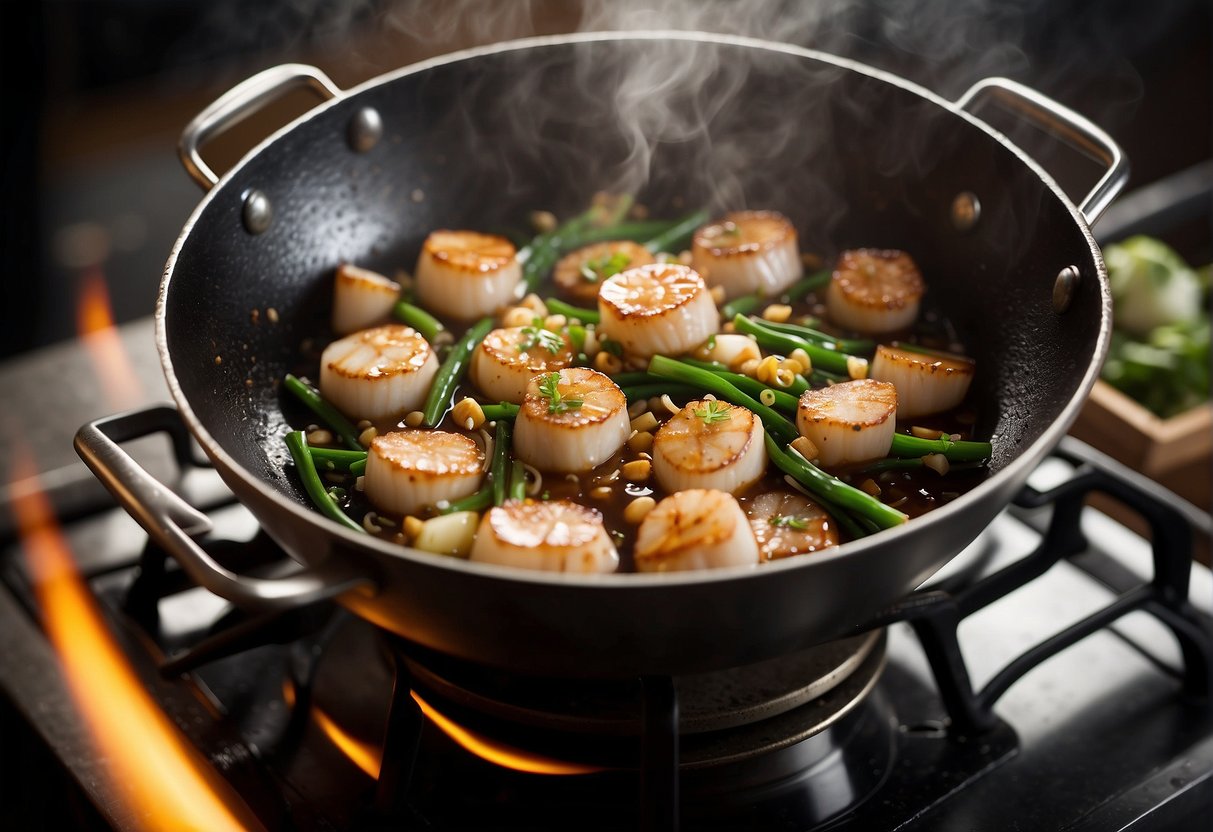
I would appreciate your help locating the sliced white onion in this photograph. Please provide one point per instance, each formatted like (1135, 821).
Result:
(925, 383)
(466, 274)
(361, 298)
(581, 427)
(875, 290)
(409, 470)
(601, 260)
(507, 360)
(696, 529)
(849, 422)
(786, 523)
(748, 251)
(709, 444)
(379, 373)
(662, 308)
(549, 535)
(730, 349)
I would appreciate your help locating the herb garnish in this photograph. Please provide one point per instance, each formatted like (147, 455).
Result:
(537, 335)
(713, 412)
(550, 390)
(603, 267)
(797, 523)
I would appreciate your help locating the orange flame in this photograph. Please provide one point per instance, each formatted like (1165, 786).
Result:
(497, 752)
(95, 323)
(166, 783)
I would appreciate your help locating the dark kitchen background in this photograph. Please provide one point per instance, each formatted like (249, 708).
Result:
(102, 89)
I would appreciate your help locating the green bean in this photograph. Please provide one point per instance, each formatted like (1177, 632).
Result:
(746, 304)
(658, 388)
(840, 516)
(683, 373)
(333, 459)
(637, 231)
(851, 345)
(517, 489)
(418, 319)
(330, 415)
(828, 359)
(837, 492)
(499, 470)
(358, 468)
(296, 443)
(504, 410)
(479, 501)
(784, 400)
(678, 235)
(955, 450)
(918, 348)
(559, 307)
(452, 370)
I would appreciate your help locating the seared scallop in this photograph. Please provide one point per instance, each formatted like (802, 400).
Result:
(849, 422)
(875, 291)
(748, 251)
(410, 470)
(786, 523)
(378, 373)
(696, 529)
(662, 308)
(549, 535)
(507, 360)
(466, 274)
(579, 274)
(362, 298)
(709, 444)
(571, 420)
(925, 383)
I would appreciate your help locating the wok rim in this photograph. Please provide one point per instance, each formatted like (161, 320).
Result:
(1017, 469)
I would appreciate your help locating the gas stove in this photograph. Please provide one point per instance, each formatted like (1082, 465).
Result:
(1055, 675)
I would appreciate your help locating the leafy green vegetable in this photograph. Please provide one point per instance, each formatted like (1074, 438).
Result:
(1160, 347)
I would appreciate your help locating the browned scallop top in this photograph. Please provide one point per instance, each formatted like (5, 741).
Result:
(685, 520)
(569, 273)
(585, 397)
(528, 346)
(469, 251)
(432, 452)
(706, 436)
(922, 362)
(379, 353)
(532, 524)
(878, 278)
(786, 523)
(351, 275)
(744, 232)
(648, 291)
(860, 402)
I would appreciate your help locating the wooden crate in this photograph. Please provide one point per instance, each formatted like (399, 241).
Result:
(1175, 452)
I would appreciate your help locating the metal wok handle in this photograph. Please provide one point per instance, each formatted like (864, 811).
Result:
(171, 521)
(1066, 126)
(240, 102)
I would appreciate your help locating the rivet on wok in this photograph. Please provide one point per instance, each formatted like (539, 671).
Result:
(258, 213)
(966, 210)
(1064, 288)
(365, 130)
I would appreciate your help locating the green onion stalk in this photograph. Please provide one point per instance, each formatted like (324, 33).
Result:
(684, 373)
(451, 373)
(678, 235)
(420, 320)
(833, 490)
(328, 414)
(746, 304)
(559, 307)
(296, 443)
(827, 359)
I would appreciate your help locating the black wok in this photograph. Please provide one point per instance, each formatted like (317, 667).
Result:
(855, 157)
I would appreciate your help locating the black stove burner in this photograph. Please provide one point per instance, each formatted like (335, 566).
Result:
(322, 722)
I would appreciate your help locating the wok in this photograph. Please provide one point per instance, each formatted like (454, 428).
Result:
(854, 156)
